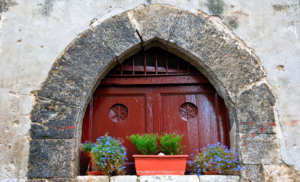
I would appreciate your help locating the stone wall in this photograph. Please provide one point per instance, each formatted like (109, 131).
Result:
(33, 34)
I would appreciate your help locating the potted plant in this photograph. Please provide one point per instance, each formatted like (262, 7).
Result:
(215, 159)
(108, 156)
(150, 164)
(87, 155)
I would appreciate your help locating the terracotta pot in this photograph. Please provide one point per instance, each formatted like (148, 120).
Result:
(212, 173)
(90, 155)
(160, 164)
(93, 173)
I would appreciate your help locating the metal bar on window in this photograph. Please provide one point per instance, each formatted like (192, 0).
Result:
(145, 65)
(167, 66)
(133, 65)
(177, 65)
(156, 70)
(121, 69)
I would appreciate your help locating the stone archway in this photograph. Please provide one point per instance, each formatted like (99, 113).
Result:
(204, 41)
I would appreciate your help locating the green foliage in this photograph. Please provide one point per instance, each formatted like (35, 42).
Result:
(87, 146)
(146, 144)
(170, 144)
(215, 157)
(109, 155)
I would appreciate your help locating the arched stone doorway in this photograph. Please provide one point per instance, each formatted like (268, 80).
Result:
(155, 91)
(204, 41)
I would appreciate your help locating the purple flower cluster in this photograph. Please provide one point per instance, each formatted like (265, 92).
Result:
(216, 158)
(109, 154)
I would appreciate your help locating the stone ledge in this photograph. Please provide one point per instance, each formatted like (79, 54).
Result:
(219, 178)
(159, 178)
(92, 178)
(167, 178)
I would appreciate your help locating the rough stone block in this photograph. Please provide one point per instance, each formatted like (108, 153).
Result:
(37, 180)
(120, 35)
(255, 110)
(212, 42)
(92, 179)
(89, 53)
(125, 178)
(219, 178)
(253, 173)
(186, 27)
(259, 149)
(169, 178)
(66, 83)
(154, 21)
(62, 180)
(280, 173)
(53, 119)
(51, 158)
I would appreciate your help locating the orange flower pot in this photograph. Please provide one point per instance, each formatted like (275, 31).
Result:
(160, 164)
(94, 173)
(212, 173)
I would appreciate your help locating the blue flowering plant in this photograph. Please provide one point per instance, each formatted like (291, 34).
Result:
(109, 155)
(215, 159)
(87, 146)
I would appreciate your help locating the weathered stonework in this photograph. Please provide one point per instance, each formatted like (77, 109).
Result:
(120, 35)
(162, 178)
(51, 158)
(154, 23)
(92, 179)
(204, 41)
(89, 53)
(125, 178)
(66, 83)
(219, 178)
(222, 54)
(255, 110)
(280, 173)
(53, 119)
(259, 149)
(62, 180)
(253, 173)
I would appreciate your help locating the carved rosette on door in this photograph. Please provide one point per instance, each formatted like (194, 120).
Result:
(118, 113)
(188, 111)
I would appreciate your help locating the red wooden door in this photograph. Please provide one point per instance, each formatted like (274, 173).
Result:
(195, 111)
(120, 111)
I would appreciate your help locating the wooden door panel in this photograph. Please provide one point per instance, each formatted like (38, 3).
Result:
(101, 123)
(173, 123)
(135, 122)
(208, 129)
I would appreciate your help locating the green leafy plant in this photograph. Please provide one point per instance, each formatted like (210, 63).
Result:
(215, 158)
(170, 144)
(146, 144)
(87, 146)
(109, 155)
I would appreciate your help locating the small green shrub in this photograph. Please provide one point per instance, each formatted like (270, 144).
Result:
(87, 146)
(170, 144)
(146, 144)
(215, 157)
(109, 155)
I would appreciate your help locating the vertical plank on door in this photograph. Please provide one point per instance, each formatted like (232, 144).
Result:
(208, 132)
(157, 113)
(222, 119)
(192, 128)
(101, 121)
(86, 125)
